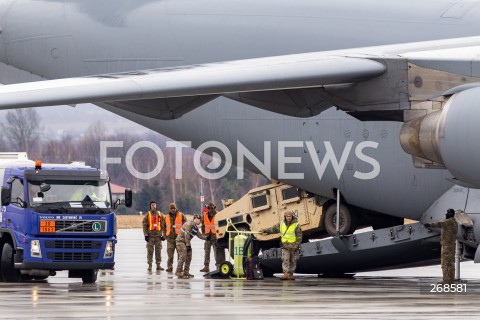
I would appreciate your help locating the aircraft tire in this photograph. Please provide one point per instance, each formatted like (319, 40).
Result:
(348, 220)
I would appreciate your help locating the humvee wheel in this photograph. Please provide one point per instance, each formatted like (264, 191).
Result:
(348, 220)
(226, 269)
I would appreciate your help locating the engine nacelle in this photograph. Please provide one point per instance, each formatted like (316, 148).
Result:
(449, 137)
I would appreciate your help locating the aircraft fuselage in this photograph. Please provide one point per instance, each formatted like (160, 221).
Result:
(58, 39)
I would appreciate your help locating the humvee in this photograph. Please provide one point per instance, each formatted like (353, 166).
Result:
(263, 207)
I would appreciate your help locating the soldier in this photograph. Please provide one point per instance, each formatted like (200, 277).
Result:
(184, 247)
(290, 243)
(174, 221)
(449, 233)
(153, 230)
(208, 228)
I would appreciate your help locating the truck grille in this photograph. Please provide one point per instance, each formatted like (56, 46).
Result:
(79, 226)
(72, 256)
(72, 244)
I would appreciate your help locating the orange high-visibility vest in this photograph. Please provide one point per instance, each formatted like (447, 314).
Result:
(154, 222)
(178, 223)
(209, 225)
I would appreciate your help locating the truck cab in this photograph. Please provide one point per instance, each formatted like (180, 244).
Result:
(55, 217)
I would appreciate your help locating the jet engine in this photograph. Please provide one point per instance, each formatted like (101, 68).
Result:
(449, 137)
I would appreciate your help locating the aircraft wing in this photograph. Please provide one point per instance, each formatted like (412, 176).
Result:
(169, 93)
(394, 82)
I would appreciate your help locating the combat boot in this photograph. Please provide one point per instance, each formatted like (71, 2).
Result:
(179, 274)
(149, 267)
(159, 268)
(186, 275)
(290, 276)
(205, 269)
(169, 269)
(285, 276)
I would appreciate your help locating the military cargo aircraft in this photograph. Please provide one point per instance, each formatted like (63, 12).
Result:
(374, 99)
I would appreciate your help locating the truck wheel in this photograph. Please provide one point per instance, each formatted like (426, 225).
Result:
(226, 269)
(348, 220)
(9, 273)
(89, 276)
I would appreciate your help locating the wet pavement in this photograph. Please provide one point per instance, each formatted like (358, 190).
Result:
(130, 291)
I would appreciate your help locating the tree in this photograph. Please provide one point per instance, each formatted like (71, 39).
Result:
(23, 129)
(148, 193)
(90, 145)
(189, 203)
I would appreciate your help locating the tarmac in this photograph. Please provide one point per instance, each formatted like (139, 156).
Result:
(130, 291)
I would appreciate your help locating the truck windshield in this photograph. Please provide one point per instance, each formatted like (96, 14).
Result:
(70, 194)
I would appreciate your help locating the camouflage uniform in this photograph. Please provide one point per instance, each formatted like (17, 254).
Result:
(448, 237)
(211, 241)
(154, 240)
(184, 248)
(171, 239)
(290, 250)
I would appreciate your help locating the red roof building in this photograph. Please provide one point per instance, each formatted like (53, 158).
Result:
(116, 189)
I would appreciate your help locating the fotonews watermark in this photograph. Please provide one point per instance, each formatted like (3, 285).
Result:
(305, 154)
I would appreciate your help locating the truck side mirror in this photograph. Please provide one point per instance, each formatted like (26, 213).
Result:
(128, 198)
(6, 196)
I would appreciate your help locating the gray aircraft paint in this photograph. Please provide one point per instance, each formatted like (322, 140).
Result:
(55, 39)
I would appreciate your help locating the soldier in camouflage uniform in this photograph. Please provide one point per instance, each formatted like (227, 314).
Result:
(184, 247)
(291, 239)
(449, 233)
(208, 228)
(174, 221)
(153, 230)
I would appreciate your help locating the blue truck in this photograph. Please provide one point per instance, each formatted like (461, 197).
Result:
(55, 217)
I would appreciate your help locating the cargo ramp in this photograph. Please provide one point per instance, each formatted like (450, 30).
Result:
(402, 246)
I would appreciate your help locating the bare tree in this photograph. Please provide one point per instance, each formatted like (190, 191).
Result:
(90, 145)
(52, 151)
(23, 129)
(3, 144)
(69, 148)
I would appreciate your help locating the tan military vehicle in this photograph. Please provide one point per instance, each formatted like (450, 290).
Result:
(263, 207)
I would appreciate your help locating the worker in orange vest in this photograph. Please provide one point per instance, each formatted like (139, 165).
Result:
(208, 228)
(174, 221)
(153, 230)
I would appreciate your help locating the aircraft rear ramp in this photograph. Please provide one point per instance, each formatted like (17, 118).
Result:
(396, 247)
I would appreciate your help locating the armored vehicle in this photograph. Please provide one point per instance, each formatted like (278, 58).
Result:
(263, 207)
